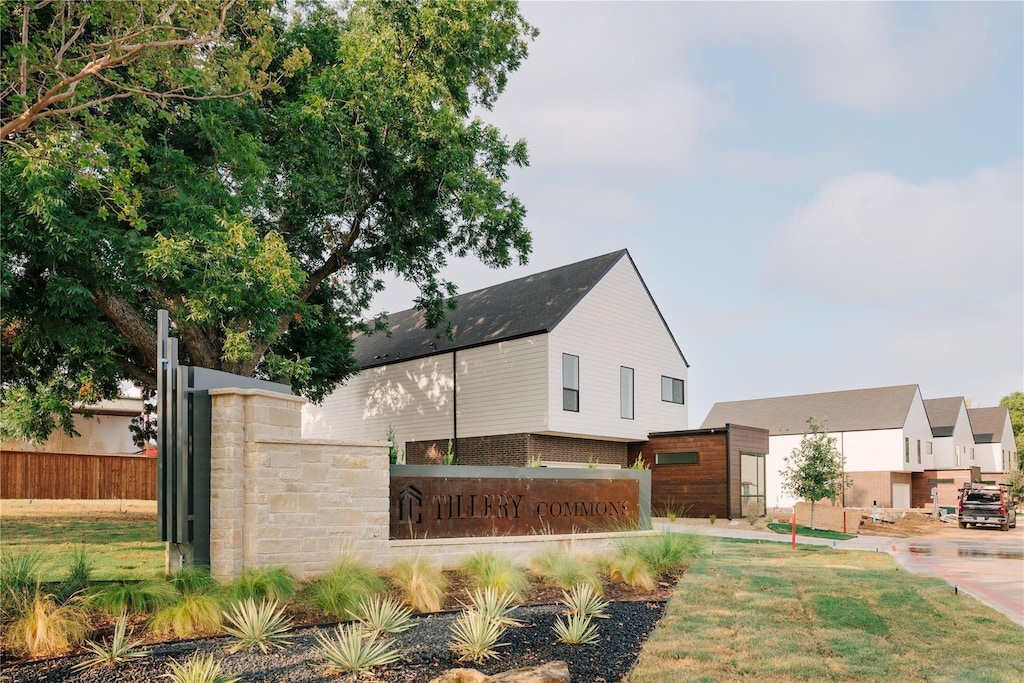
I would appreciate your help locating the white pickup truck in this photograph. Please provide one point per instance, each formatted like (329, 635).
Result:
(986, 504)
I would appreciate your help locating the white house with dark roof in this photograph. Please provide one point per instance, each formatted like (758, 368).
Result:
(883, 434)
(567, 365)
(951, 431)
(995, 450)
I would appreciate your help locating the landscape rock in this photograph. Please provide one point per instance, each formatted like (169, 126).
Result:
(552, 672)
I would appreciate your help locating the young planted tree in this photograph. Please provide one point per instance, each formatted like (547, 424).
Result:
(814, 470)
(256, 175)
(1015, 404)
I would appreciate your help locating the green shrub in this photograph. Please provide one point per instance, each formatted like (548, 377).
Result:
(486, 570)
(194, 615)
(76, 575)
(631, 570)
(576, 629)
(382, 615)
(495, 605)
(271, 583)
(193, 581)
(565, 569)
(19, 575)
(338, 592)
(581, 599)
(133, 597)
(475, 636)
(667, 553)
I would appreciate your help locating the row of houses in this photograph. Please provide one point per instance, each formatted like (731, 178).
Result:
(576, 367)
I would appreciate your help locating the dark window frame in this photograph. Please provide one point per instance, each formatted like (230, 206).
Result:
(680, 458)
(571, 394)
(673, 383)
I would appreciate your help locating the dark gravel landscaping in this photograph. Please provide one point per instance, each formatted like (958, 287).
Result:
(424, 651)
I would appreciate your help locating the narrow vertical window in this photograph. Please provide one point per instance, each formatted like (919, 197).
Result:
(626, 393)
(570, 383)
(919, 451)
(671, 389)
(906, 449)
(972, 454)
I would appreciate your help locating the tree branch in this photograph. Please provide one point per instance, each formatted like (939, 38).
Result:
(130, 323)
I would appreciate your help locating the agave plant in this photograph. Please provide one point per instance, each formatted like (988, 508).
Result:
(582, 600)
(496, 605)
(120, 649)
(576, 629)
(263, 625)
(350, 651)
(198, 669)
(380, 615)
(475, 636)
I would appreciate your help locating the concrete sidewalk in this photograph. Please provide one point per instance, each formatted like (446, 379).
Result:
(734, 529)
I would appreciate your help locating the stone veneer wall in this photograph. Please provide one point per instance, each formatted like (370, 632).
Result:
(278, 500)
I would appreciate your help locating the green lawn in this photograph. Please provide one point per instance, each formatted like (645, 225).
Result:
(119, 545)
(783, 528)
(764, 612)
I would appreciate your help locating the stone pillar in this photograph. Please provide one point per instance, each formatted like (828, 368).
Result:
(280, 501)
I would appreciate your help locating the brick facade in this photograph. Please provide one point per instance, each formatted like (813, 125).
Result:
(516, 450)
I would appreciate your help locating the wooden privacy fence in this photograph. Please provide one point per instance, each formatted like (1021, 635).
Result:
(62, 475)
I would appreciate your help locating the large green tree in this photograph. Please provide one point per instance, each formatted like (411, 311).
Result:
(1015, 404)
(814, 470)
(262, 205)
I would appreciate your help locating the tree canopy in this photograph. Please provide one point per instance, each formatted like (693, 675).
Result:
(257, 176)
(814, 470)
(1015, 404)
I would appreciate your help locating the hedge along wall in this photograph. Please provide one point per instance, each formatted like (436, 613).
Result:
(278, 500)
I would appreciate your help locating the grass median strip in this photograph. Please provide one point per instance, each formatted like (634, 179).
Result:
(761, 611)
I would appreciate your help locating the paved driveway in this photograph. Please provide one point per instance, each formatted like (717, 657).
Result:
(987, 564)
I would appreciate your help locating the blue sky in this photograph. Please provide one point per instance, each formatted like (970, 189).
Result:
(819, 196)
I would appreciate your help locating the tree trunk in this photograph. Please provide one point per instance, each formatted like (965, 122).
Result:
(812, 514)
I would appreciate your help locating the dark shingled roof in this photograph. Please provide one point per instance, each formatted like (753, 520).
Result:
(519, 308)
(942, 414)
(841, 411)
(988, 423)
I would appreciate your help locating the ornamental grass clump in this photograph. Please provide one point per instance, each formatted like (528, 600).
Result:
(350, 651)
(193, 615)
(576, 629)
(484, 570)
(665, 554)
(262, 625)
(495, 605)
(631, 570)
(566, 569)
(46, 627)
(133, 597)
(270, 583)
(19, 575)
(421, 583)
(121, 648)
(339, 591)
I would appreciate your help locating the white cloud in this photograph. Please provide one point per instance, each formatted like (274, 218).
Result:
(872, 236)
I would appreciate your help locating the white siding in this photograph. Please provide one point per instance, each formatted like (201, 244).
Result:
(615, 325)
(415, 397)
(916, 428)
(945, 448)
(100, 435)
(879, 450)
(502, 388)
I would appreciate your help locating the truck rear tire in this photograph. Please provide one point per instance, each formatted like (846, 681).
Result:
(963, 525)
(1005, 526)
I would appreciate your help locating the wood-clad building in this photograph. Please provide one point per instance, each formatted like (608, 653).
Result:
(703, 472)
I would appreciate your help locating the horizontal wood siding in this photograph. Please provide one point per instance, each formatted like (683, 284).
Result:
(616, 325)
(81, 477)
(414, 397)
(502, 387)
(688, 490)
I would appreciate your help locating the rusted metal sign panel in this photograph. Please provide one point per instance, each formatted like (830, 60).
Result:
(448, 507)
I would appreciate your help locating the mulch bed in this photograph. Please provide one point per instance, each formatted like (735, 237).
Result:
(632, 616)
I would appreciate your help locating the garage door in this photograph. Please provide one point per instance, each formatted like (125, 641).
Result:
(901, 495)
